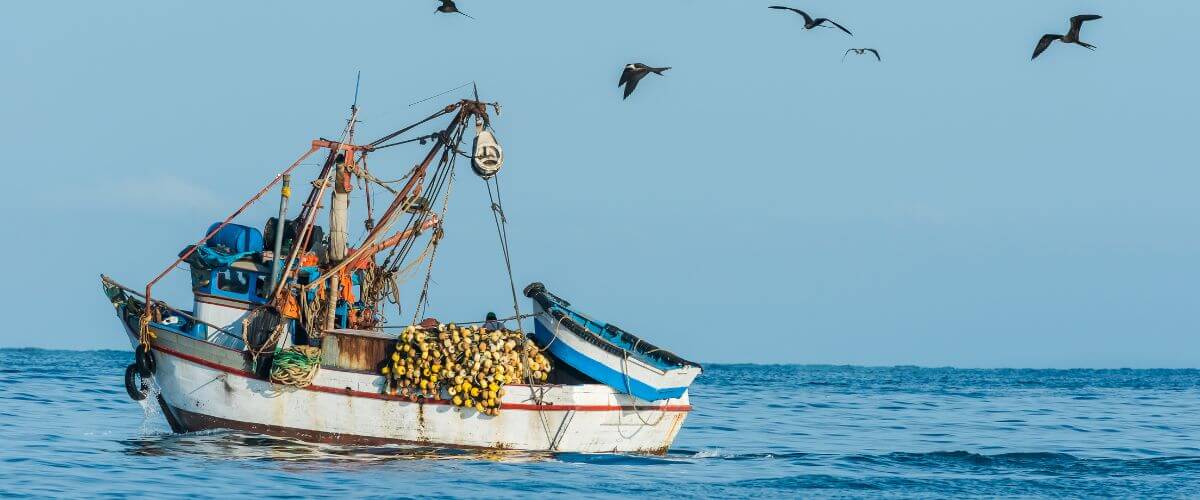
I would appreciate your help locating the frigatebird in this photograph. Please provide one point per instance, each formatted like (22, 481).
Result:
(448, 7)
(809, 22)
(861, 52)
(1072, 35)
(634, 73)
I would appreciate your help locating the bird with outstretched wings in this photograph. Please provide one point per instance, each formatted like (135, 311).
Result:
(1072, 35)
(810, 22)
(633, 73)
(861, 52)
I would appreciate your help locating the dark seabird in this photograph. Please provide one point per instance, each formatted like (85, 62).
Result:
(634, 73)
(861, 52)
(1072, 35)
(809, 22)
(448, 7)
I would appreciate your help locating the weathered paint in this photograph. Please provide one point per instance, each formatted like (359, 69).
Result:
(206, 385)
(355, 350)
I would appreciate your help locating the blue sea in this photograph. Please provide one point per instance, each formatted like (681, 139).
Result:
(67, 429)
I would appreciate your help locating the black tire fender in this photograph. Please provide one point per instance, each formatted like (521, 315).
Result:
(144, 361)
(134, 385)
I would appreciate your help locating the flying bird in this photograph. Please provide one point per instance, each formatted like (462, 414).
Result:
(1072, 35)
(861, 52)
(634, 73)
(809, 22)
(448, 7)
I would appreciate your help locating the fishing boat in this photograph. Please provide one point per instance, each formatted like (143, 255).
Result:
(289, 331)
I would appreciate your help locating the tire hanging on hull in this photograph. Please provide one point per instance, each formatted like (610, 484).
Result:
(144, 360)
(135, 385)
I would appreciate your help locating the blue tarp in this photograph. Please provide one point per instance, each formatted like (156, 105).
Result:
(209, 258)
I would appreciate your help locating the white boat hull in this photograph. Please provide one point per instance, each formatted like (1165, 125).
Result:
(205, 386)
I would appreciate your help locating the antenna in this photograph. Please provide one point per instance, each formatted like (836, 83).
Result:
(476, 88)
(357, 79)
(348, 134)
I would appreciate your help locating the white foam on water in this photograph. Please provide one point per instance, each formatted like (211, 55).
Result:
(153, 420)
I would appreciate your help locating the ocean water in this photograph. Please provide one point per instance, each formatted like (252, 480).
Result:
(68, 429)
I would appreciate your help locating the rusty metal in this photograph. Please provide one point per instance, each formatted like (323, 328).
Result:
(302, 238)
(396, 239)
(356, 350)
(314, 194)
(340, 146)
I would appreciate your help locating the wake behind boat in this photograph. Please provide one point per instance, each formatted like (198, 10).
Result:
(289, 330)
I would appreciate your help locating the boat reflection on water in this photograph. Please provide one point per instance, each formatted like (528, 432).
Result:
(233, 445)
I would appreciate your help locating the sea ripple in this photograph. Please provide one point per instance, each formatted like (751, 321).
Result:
(68, 430)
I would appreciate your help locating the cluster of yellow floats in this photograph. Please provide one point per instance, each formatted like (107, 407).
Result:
(465, 365)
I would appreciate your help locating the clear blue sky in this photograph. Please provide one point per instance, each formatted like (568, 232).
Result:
(762, 202)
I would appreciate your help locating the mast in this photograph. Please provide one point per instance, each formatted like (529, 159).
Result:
(339, 169)
(339, 232)
(276, 260)
(339, 206)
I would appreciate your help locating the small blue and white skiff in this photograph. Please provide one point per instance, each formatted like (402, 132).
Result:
(608, 354)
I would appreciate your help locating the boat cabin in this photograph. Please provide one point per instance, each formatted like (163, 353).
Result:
(231, 275)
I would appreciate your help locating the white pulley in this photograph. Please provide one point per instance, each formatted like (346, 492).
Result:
(489, 157)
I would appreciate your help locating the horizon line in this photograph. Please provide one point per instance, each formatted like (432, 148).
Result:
(747, 363)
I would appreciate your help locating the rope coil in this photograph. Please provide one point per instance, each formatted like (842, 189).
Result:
(295, 366)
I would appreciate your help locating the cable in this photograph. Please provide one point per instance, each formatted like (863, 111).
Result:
(443, 93)
(502, 231)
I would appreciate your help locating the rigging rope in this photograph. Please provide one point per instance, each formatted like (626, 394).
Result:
(420, 139)
(443, 93)
(393, 135)
(461, 323)
(432, 192)
(269, 343)
(629, 390)
(536, 390)
(502, 231)
(448, 160)
(383, 184)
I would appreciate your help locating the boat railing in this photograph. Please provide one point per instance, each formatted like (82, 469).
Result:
(647, 348)
(228, 343)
